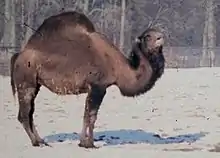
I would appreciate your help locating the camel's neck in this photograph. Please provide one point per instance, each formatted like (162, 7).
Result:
(141, 74)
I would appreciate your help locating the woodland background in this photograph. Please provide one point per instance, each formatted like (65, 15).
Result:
(191, 27)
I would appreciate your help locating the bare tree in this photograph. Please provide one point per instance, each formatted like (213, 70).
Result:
(122, 29)
(115, 22)
(9, 31)
(2, 16)
(86, 6)
(209, 35)
(29, 14)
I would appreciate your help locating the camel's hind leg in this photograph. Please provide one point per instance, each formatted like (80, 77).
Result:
(93, 102)
(26, 95)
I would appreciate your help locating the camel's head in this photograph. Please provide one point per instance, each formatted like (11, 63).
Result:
(151, 41)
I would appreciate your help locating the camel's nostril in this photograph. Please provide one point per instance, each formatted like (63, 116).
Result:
(29, 64)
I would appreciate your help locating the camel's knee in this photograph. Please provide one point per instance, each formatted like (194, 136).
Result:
(22, 118)
(23, 115)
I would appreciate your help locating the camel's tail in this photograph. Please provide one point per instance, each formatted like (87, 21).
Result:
(13, 59)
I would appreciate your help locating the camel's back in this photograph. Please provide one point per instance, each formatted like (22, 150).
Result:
(62, 38)
(70, 39)
(57, 24)
(70, 36)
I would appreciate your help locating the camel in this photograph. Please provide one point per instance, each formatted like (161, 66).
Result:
(69, 57)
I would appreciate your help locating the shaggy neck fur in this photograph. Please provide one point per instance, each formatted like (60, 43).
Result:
(157, 64)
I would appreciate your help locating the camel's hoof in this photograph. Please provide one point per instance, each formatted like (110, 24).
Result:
(40, 143)
(87, 145)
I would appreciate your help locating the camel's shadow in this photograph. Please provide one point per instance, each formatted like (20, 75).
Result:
(117, 137)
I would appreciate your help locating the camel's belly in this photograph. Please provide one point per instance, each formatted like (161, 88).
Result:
(64, 85)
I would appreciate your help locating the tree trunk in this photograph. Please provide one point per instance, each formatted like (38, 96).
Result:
(86, 7)
(23, 29)
(203, 61)
(19, 25)
(211, 31)
(209, 36)
(115, 23)
(30, 11)
(80, 4)
(9, 31)
(2, 22)
(122, 29)
(102, 17)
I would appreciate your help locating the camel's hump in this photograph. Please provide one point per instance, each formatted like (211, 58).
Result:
(63, 22)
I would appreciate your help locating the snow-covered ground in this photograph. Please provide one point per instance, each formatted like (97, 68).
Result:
(179, 117)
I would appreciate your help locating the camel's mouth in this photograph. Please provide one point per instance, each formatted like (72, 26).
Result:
(155, 50)
(151, 49)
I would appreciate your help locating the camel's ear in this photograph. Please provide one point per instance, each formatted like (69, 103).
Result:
(137, 40)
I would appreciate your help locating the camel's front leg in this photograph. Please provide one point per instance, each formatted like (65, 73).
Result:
(93, 102)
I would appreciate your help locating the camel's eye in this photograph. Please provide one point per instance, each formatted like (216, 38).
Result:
(147, 37)
(158, 38)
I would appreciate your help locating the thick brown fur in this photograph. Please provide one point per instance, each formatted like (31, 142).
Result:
(68, 56)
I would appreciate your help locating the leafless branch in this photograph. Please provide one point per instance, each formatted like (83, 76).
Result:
(32, 29)
(159, 13)
(94, 10)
